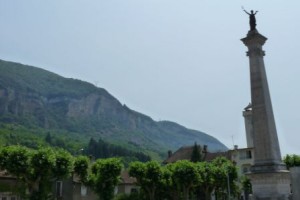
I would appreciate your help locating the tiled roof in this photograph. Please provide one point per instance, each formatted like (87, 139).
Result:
(185, 153)
(126, 179)
(242, 149)
(5, 174)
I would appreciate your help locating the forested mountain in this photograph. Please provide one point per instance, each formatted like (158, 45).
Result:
(36, 99)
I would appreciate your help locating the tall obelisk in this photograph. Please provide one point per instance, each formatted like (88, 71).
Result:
(269, 177)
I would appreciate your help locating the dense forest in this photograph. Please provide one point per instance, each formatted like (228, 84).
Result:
(103, 149)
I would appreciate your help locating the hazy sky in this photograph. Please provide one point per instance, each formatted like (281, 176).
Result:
(177, 60)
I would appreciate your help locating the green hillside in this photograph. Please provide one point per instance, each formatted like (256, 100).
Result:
(39, 102)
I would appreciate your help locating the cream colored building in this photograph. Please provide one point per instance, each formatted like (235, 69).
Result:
(243, 159)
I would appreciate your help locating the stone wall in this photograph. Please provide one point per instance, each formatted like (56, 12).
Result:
(271, 186)
(295, 181)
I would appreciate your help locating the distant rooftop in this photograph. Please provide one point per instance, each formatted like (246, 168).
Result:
(185, 153)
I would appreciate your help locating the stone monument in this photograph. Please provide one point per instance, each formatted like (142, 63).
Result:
(269, 177)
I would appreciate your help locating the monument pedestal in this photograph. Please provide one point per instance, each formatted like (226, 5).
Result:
(295, 181)
(270, 186)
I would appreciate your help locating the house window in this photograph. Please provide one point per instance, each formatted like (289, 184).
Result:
(245, 169)
(83, 190)
(13, 198)
(133, 190)
(59, 188)
(249, 154)
(4, 198)
(245, 155)
(116, 190)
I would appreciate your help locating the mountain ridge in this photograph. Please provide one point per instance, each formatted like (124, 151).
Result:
(37, 97)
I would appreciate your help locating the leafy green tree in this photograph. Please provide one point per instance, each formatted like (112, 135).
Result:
(15, 159)
(81, 168)
(225, 172)
(41, 167)
(186, 177)
(132, 196)
(48, 138)
(36, 169)
(64, 164)
(171, 188)
(196, 153)
(246, 185)
(207, 172)
(104, 177)
(102, 149)
(149, 176)
(92, 148)
(292, 160)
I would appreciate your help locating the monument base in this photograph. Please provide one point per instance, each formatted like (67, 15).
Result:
(270, 186)
(268, 168)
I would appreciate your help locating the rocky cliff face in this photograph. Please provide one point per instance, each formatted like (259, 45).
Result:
(35, 97)
(14, 104)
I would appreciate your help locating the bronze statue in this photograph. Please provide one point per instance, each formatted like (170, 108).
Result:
(252, 19)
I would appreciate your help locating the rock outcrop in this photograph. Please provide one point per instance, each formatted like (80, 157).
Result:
(35, 97)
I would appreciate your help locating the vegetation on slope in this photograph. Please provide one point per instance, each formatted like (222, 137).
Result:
(11, 134)
(40, 102)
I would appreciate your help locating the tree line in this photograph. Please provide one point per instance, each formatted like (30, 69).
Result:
(292, 160)
(36, 170)
(184, 180)
(102, 149)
